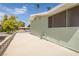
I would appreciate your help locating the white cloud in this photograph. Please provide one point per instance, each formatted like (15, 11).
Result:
(16, 11)
(8, 9)
(24, 7)
(4, 8)
(1, 14)
(20, 10)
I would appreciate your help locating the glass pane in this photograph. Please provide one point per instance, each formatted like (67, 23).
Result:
(74, 16)
(50, 22)
(60, 19)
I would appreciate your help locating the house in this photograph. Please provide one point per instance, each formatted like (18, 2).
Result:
(22, 29)
(59, 25)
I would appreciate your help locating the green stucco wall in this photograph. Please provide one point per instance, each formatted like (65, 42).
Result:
(39, 26)
(64, 36)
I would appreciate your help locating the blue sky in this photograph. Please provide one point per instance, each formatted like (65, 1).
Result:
(23, 10)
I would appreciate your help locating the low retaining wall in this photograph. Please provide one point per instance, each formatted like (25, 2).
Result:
(4, 44)
(67, 37)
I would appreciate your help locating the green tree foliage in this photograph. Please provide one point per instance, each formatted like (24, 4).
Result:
(37, 6)
(10, 24)
(48, 8)
(5, 17)
(21, 24)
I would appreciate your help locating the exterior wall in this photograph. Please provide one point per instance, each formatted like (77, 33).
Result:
(65, 36)
(62, 35)
(39, 26)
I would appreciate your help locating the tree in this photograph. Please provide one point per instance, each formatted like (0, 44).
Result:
(48, 8)
(9, 24)
(21, 24)
(12, 17)
(5, 17)
(37, 7)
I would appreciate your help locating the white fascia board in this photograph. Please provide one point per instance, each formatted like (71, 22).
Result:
(53, 11)
(61, 7)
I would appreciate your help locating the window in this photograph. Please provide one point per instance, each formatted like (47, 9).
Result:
(50, 22)
(60, 19)
(69, 18)
(74, 16)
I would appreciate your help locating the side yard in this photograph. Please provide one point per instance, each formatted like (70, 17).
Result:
(25, 44)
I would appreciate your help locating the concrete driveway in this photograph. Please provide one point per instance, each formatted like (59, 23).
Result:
(25, 44)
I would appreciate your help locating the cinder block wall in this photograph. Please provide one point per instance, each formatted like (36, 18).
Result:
(4, 44)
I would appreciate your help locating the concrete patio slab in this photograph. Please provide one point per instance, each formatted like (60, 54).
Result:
(25, 44)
